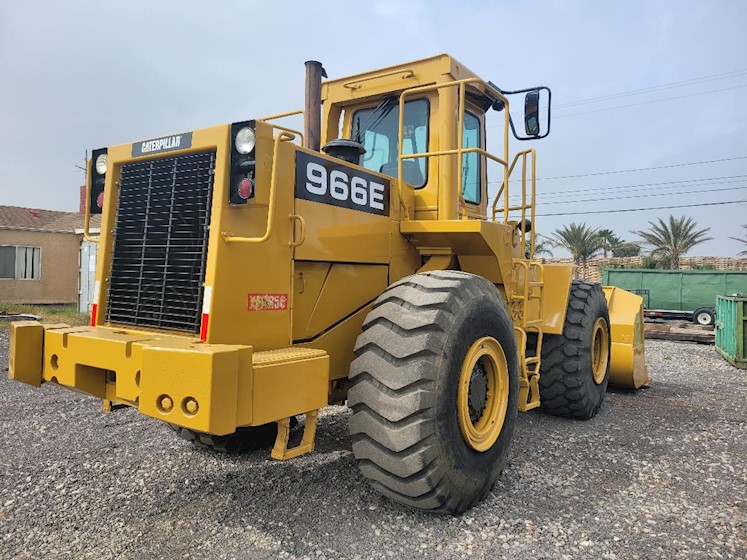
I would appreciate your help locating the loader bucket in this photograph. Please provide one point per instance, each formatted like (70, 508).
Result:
(627, 359)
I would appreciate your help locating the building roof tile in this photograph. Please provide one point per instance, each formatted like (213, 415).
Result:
(17, 217)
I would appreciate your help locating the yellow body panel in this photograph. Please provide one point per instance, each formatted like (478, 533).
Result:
(308, 280)
(288, 382)
(339, 342)
(26, 348)
(558, 278)
(345, 288)
(627, 361)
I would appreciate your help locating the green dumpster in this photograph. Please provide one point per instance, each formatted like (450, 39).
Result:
(731, 329)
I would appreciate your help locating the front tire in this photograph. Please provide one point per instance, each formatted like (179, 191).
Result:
(434, 391)
(575, 365)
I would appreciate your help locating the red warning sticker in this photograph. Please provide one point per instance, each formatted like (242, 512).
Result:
(267, 302)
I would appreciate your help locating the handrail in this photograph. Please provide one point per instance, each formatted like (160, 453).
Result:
(355, 84)
(284, 128)
(288, 130)
(87, 214)
(460, 150)
(227, 236)
(455, 151)
(282, 115)
(523, 207)
(302, 234)
(527, 266)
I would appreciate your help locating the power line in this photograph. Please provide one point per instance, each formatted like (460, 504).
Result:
(644, 209)
(562, 115)
(673, 165)
(642, 196)
(639, 186)
(671, 85)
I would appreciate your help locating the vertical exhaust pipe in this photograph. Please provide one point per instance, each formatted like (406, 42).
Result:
(312, 111)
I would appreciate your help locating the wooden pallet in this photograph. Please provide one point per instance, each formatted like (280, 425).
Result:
(682, 332)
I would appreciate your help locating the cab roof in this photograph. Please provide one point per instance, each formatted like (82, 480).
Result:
(436, 69)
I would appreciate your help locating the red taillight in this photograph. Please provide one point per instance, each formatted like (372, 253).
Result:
(204, 326)
(207, 295)
(246, 188)
(94, 310)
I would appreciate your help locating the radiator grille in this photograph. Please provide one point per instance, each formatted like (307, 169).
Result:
(160, 242)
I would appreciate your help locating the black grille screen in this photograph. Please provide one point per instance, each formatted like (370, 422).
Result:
(160, 242)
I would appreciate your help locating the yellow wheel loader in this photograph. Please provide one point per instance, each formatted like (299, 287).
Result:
(249, 274)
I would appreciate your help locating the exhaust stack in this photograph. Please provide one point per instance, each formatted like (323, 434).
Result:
(312, 111)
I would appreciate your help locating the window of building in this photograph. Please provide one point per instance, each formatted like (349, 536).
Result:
(471, 162)
(20, 263)
(376, 128)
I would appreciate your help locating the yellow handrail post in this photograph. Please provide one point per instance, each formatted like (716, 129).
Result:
(534, 200)
(87, 215)
(460, 154)
(400, 133)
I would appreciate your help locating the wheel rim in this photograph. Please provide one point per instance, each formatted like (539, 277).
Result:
(704, 318)
(600, 349)
(482, 398)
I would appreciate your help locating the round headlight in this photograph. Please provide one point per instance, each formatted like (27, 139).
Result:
(245, 140)
(101, 164)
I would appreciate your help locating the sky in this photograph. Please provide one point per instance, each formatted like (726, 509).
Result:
(80, 75)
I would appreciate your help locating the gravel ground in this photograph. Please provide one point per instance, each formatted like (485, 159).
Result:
(657, 474)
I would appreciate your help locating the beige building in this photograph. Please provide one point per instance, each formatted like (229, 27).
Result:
(39, 255)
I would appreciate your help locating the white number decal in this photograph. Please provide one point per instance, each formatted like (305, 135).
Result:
(377, 196)
(338, 185)
(342, 187)
(359, 191)
(317, 178)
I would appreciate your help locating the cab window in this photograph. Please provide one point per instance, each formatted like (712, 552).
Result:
(471, 162)
(377, 127)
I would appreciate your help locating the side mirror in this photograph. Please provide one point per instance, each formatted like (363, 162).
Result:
(537, 109)
(531, 113)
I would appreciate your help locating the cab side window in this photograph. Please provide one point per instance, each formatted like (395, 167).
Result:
(471, 162)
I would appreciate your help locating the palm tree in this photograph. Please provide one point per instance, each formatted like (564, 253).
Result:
(742, 240)
(627, 249)
(609, 241)
(673, 239)
(541, 246)
(580, 240)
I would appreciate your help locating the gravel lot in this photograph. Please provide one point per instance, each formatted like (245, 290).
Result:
(661, 473)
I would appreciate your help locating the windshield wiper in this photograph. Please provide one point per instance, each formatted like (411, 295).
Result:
(379, 114)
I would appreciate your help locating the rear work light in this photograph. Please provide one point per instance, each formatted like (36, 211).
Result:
(97, 178)
(243, 149)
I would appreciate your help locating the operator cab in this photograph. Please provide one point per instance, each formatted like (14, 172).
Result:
(365, 110)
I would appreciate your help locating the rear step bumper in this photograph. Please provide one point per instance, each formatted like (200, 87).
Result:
(212, 388)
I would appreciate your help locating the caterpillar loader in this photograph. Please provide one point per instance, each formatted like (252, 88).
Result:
(247, 277)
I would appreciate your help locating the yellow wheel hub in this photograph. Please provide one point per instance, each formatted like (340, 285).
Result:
(482, 398)
(600, 349)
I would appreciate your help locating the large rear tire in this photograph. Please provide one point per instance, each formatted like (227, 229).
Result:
(434, 391)
(575, 365)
